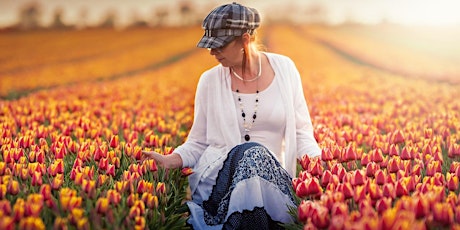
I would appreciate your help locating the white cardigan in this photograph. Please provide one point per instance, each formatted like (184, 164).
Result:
(215, 128)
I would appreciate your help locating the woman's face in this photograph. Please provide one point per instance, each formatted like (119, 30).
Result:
(229, 55)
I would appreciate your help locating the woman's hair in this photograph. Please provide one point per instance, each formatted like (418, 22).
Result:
(247, 51)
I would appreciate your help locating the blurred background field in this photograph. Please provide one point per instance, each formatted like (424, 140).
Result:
(89, 84)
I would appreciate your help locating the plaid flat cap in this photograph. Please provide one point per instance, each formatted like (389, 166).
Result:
(227, 21)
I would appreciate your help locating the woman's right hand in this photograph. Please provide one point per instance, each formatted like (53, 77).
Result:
(152, 155)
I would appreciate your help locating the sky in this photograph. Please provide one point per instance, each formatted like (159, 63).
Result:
(408, 12)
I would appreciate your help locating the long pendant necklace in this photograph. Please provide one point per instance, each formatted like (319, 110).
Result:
(248, 125)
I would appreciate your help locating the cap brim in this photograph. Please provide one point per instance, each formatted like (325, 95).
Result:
(214, 42)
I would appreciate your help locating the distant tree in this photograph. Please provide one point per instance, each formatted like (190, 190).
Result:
(57, 19)
(160, 16)
(137, 21)
(29, 16)
(316, 13)
(187, 12)
(109, 20)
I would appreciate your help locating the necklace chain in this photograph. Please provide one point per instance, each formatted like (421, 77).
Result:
(247, 126)
(252, 79)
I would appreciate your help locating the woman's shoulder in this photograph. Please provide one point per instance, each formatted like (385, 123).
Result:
(280, 59)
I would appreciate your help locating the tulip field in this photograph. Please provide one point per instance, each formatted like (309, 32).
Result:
(78, 107)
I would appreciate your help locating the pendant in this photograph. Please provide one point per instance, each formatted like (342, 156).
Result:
(247, 137)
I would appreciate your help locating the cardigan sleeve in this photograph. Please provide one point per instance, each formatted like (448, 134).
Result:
(306, 142)
(192, 149)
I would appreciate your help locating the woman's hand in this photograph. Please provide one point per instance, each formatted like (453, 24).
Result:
(151, 155)
(172, 160)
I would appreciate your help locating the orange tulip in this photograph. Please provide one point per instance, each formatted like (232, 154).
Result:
(13, 187)
(383, 204)
(110, 170)
(305, 161)
(315, 168)
(60, 223)
(397, 137)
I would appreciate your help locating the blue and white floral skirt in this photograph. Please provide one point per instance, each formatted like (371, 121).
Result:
(249, 189)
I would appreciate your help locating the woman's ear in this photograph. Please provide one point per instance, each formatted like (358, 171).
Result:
(246, 38)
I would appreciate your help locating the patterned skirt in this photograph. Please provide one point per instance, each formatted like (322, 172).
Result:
(251, 191)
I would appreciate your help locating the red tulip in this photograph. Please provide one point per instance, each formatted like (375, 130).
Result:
(377, 155)
(358, 178)
(339, 209)
(37, 179)
(13, 187)
(326, 154)
(346, 189)
(114, 143)
(113, 196)
(371, 169)
(406, 154)
(161, 189)
(389, 191)
(421, 207)
(305, 161)
(375, 192)
(326, 178)
(110, 170)
(393, 165)
(320, 217)
(102, 205)
(454, 150)
(7, 223)
(365, 159)
(315, 168)
(57, 182)
(45, 191)
(452, 182)
(443, 214)
(380, 177)
(383, 204)
(401, 189)
(305, 210)
(350, 154)
(186, 172)
(397, 137)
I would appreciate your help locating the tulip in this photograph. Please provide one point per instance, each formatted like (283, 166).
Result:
(161, 188)
(339, 209)
(57, 182)
(31, 223)
(371, 169)
(346, 189)
(443, 214)
(114, 143)
(388, 218)
(401, 189)
(326, 154)
(375, 192)
(315, 168)
(393, 165)
(13, 187)
(380, 177)
(7, 223)
(320, 217)
(184, 172)
(452, 182)
(358, 178)
(350, 154)
(397, 137)
(102, 205)
(421, 207)
(45, 191)
(383, 204)
(305, 161)
(326, 178)
(5, 208)
(110, 170)
(37, 179)
(305, 210)
(60, 223)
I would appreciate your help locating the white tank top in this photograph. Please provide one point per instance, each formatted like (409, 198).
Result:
(270, 124)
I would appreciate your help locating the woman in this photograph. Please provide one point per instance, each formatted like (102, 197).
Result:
(251, 124)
